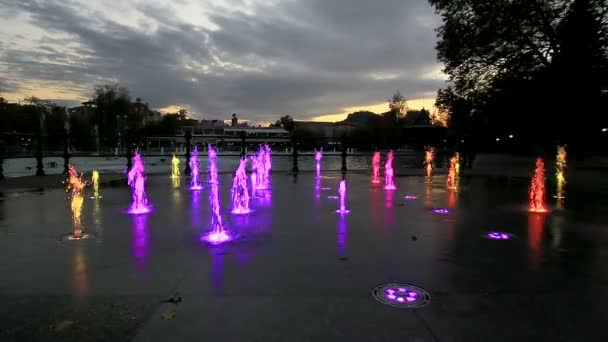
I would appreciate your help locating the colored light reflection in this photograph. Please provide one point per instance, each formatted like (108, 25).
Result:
(376, 168)
(342, 234)
(498, 236)
(80, 281)
(536, 227)
(140, 240)
(441, 211)
(195, 209)
(410, 197)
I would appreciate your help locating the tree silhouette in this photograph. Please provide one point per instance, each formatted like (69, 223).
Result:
(526, 66)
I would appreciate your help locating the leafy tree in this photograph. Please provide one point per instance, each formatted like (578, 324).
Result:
(285, 122)
(502, 54)
(113, 104)
(397, 105)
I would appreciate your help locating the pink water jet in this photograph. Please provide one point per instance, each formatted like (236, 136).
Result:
(536, 193)
(318, 156)
(342, 193)
(136, 180)
(195, 183)
(218, 234)
(389, 173)
(212, 164)
(240, 192)
(376, 168)
(261, 164)
(254, 182)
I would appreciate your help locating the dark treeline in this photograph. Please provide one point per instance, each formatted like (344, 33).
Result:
(536, 70)
(106, 121)
(367, 131)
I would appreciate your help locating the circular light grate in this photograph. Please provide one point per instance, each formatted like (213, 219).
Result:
(75, 237)
(497, 236)
(401, 295)
(441, 211)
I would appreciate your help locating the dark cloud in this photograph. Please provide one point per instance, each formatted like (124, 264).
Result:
(303, 57)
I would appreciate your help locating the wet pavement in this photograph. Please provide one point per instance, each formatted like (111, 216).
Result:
(300, 272)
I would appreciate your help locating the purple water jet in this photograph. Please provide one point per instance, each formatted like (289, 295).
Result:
(318, 156)
(136, 180)
(218, 234)
(212, 162)
(240, 192)
(342, 192)
(195, 183)
(261, 164)
(254, 182)
(389, 173)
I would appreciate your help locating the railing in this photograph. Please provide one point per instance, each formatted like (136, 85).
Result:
(66, 155)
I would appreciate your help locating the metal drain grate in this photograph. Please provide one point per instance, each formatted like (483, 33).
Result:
(401, 295)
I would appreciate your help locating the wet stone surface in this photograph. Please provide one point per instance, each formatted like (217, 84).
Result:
(299, 271)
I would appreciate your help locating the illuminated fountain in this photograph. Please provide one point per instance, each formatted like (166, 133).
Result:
(318, 156)
(136, 180)
(342, 193)
(195, 182)
(262, 163)
(429, 156)
(95, 181)
(240, 192)
(212, 164)
(376, 168)
(254, 182)
(74, 186)
(218, 234)
(175, 167)
(452, 179)
(389, 173)
(560, 171)
(536, 193)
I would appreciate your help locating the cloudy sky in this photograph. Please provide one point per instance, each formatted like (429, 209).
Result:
(262, 59)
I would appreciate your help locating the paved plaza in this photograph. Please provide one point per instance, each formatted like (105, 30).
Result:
(298, 271)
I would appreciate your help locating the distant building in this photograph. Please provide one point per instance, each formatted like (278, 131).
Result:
(212, 131)
(327, 130)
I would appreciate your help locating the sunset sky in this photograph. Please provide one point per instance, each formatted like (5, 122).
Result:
(311, 59)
